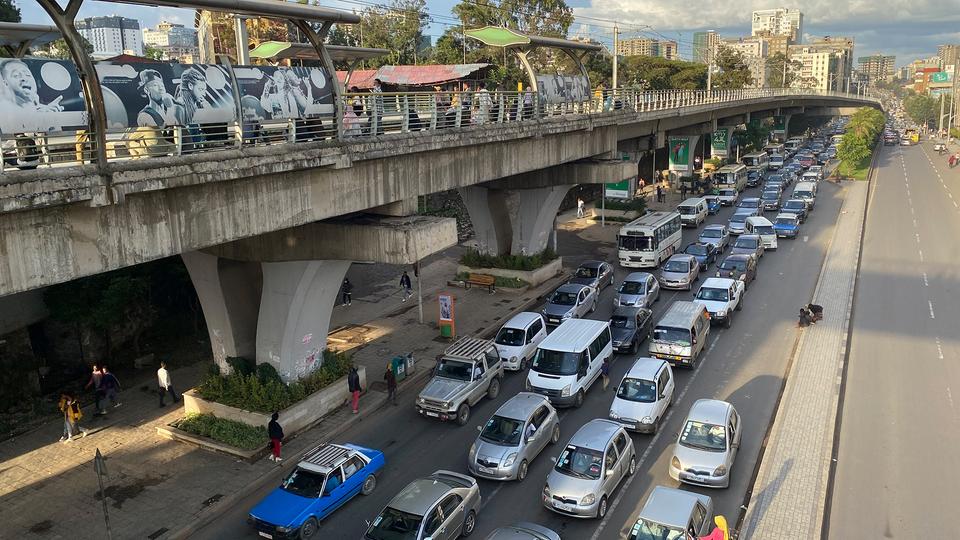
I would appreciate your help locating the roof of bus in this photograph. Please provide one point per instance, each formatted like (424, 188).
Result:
(732, 167)
(755, 154)
(652, 219)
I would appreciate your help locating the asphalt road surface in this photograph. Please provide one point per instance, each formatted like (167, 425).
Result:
(896, 474)
(744, 365)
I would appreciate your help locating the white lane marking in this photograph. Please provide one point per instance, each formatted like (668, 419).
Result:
(915, 223)
(930, 304)
(805, 238)
(911, 209)
(925, 282)
(921, 254)
(940, 353)
(488, 498)
(917, 235)
(653, 441)
(955, 205)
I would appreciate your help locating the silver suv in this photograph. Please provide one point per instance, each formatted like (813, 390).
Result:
(466, 372)
(517, 433)
(441, 506)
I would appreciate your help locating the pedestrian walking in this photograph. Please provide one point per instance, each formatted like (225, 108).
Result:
(353, 384)
(163, 379)
(275, 432)
(391, 384)
(346, 292)
(111, 386)
(579, 207)
(605, 372)
(659, 193)
(683, 190)
(72, 414)
(96, 382)
(406, 286)
(377, 107)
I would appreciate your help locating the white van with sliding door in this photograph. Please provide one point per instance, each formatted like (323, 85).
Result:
(681, 334)
(693, 211)
(568, 361)
(763, 228)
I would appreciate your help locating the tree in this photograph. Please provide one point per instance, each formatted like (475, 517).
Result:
(783, 72)
(154, 53)
(9, 12)
(655, 73)
(58, 49)
(921, 109)
(397, 27)
(734, 73)
(755, 135)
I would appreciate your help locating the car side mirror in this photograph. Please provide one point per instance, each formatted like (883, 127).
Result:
(609, 472)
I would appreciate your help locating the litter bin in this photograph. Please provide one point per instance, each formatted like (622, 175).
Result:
(399, 367)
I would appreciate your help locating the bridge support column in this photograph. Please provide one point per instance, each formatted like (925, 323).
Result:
(517, 221)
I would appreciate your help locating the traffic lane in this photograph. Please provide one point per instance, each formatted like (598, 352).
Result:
(895, 358)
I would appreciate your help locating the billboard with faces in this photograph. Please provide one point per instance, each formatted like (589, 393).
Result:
(563, 88)
(280, 93)
(39, 95)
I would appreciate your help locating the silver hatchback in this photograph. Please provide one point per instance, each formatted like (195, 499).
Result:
(707, 445)
(517, 433)
(638, 289)
(597, 458)
(680, 272)
(442, 506)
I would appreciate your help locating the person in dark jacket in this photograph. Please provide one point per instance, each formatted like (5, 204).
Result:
(346, 292)
(391, 384)
(353, 384)
(111, 386)
(406, 286)
(275, 432)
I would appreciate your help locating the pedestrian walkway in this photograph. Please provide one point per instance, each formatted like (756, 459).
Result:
(789, 495)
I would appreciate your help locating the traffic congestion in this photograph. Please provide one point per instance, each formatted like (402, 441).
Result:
(629, 334)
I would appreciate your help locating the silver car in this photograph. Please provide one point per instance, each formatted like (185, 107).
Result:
(523, 531)
(517, 433)
(718, 235)
(748, 244)
(680, 272)
(570, 301)
(639, 289)
(707, 445)
(596, 274)
(674, 514)
(597, 458)
(442, 506)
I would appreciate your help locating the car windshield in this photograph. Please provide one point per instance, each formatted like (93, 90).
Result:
(745, 243)
(638, 390)
(586, 272)
(786, 221)
(739, 218)
(703, 436)
(303, 483)
(619, 321)
(501, 430)
(393, 524)
(556, 362)
(794, 205)
(749, 203)
(768, 195)
(728, 264)
(763, 229)
(454, 369)
(648, 530)
(667, 334)
(695, 249)
(635, 243)
(728, 193)
(580, 462)
(711, 233)
(716, 295)
(511, 337)
(804, 194)
(563, 298)
(676, 266)
(631, 287)
(687, 210)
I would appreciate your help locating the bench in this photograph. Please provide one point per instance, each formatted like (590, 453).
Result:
(482, 280)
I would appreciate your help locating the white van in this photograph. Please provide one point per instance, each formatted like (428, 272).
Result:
(693, 211)
(776, 162)
(681, 334)
(517, 340)
(762, 227)
(568, 361)
(807, 192)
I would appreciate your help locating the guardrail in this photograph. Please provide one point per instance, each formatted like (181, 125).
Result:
(365, 116)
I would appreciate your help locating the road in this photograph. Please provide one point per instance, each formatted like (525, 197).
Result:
(745, 365)
(900, 417)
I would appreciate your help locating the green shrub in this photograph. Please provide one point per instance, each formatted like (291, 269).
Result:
(265, 392)
(229, 432)
(242, 365)
(475, 259)
(637, 205)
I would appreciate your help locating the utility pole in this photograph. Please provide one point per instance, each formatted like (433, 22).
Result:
(709, 68)
(940, 123)
(616, 57)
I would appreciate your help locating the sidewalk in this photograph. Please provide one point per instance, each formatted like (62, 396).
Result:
(789, 494)
(162, 489)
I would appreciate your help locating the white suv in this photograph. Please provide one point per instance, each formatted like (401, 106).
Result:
(721, 297)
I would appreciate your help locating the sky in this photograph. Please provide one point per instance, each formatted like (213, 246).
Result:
(909, 29)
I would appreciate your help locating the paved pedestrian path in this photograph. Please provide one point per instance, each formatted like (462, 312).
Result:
(789, 495)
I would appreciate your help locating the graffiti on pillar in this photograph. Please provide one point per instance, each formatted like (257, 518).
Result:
(309, 363)
(220, 352)
(679, 153)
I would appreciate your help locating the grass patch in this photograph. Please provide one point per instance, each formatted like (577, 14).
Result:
(236, 434)
(475, 259)
(855, 171)
(259, 388)
(499, 281)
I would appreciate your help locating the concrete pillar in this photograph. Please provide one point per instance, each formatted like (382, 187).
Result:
(295, 308)
(517, 221)
(491, 221)
(229, 293)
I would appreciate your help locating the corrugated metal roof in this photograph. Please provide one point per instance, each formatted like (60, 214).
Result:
(361, 78)
(426, 75)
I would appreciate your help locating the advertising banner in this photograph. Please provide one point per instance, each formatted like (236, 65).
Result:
(563, 88)
(679, 154)
(280, 93)
(619, 190)
(779, 123)
(40, 95)
(161, 95)
(940, 77)
(446, 319)
(719, 144)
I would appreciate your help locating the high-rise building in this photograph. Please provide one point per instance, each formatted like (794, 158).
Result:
(819, 68)
(755, 51)
(704, 46)
(876, 68)
(842, 50)
(667, 49)
(647, 47)
(112, 35)
(779, 21)
(776, 43)
(175, 40)
(949, 55)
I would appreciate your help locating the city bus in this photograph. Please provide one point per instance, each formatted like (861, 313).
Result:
(731, 176)
(649, 240)
(757, 161)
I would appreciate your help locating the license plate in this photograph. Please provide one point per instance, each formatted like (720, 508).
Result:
(265, 535)
(431, 413)
(485, 470)
(560, 506)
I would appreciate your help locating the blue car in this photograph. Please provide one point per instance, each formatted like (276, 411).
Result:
(713, 204)
(325, 479)
(704, 252)
(787, 225)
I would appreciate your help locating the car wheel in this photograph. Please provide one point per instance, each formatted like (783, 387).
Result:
(555, 436)
(602, 508)
(369, 484)
(494, 390)
(593, 307)
(309, 528)
(522, 471)
(463, 414)
(578, 402)
(740, 303)
(634, 346)
(469, 524)
(658, 296)
(729, 320)
(633, 465)
(523, 364)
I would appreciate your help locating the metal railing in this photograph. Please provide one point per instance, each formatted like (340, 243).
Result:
(365, 115)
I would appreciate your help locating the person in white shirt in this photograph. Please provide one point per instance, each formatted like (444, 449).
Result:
(163, 379)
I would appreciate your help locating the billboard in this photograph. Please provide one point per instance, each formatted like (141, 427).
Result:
(719, 143)
(282, 93)
(940, 77)
(40, 95)
(679, 153)
(563, 88)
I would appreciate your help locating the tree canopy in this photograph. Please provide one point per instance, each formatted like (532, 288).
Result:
(921, 109)
(783, 72)
(397, 27)
(9, 12)
(857, 144)
(733, 71)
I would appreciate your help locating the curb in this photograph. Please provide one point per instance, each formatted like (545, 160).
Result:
(211, 513)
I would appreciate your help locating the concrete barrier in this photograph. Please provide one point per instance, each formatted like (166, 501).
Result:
(533, 277)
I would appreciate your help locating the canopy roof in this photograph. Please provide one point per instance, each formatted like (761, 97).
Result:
(411, 75)
(281, 50)
(498, 36)
(257, 8)
(16, 34)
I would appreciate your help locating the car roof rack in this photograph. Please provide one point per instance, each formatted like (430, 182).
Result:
(467, 347)
(326, 456)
